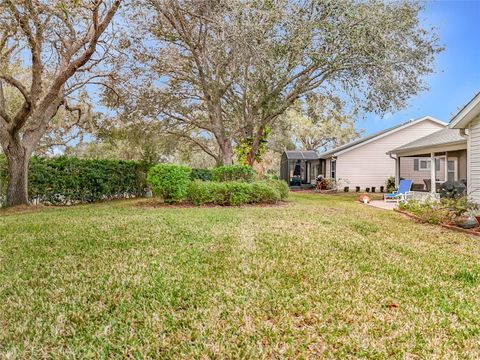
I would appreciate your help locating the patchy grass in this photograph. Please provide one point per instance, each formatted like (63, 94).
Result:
(321, 276)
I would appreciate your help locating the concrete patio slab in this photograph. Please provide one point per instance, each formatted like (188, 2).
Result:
(380, 204)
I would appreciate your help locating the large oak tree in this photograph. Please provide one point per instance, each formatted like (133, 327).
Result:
(226, 70)
(63, 44)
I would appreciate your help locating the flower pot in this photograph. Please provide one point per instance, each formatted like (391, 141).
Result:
(466, 222)
(367, 190)
(357, 189)
(382, 188)
(364, 199)
(373, 189)
(346, 189)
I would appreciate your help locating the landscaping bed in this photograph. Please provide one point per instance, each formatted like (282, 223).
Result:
(451, 213)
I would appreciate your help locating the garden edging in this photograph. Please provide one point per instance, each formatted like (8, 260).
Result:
(446, 226)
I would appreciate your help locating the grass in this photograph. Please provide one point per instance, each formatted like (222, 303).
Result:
(321, 276)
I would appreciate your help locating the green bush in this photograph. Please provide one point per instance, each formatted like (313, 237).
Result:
(67, 180)
(169, 181)
(264, 192)
(233, 173)
(390, 184)
(204, 192)
(201, 174)
(281, 186)
(232, 193)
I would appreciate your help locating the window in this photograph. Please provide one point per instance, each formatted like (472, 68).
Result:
(424, 165)
(333, 170)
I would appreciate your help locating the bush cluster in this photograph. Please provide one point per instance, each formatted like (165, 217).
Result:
(235, 192)
(173, 183)
(201, 174)
(68, 180)
(233, 173)
(169, 181)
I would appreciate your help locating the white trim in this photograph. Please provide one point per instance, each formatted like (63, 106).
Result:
(425, 118)
(467, 114)
(455, 168)
(433, 173)
(428, 164)
(469, 164)
(453, 146)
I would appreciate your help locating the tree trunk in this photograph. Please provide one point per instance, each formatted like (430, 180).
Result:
(226, 153)
(17, 189)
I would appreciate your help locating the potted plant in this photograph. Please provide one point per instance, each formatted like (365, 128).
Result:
(373, 189)
(346, 189)
(382, 188)
(367, 190)
(467, 220)
(476, 213)
(357, 188)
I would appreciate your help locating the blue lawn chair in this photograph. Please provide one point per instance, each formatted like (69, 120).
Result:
(403, 189)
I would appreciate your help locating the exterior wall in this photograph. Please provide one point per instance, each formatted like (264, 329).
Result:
(369, 165)
(461, 155)
(328, 168)
(407, 170)
(474, 160)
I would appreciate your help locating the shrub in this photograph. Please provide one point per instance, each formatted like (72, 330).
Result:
(281, 186)
(67, 180)
(327, 184)
(270, 176)
(204, 192)
(232, 192)
(201, 174)
(169, 181)
(264, 192)
(428, 212)
(390, 184)
(233, 173)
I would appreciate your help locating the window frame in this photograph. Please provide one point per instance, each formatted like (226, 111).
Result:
(427, 161)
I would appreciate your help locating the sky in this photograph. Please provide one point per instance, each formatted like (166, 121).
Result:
(457, 76)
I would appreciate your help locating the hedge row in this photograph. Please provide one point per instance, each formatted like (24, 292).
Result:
(236, 192)
(67, 180)
(173, 184)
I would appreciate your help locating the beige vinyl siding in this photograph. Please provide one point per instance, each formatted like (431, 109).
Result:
(474, 160)
(327, 168)
(407, 170)
(368, 165)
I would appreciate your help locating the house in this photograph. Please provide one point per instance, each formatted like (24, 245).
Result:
(467, 121)
(300, 168)
(366, 163)
(454, 150)
(446, 148)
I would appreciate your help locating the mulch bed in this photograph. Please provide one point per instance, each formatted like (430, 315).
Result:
(474, 232)
(154, 203)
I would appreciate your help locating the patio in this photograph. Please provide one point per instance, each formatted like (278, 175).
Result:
(381, 204)
(441, 156)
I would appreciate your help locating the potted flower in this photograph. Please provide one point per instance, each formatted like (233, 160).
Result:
(467, 220)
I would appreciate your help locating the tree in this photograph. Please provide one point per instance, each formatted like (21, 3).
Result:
(320, 123)
(186, 65)
(56, 41)
(225, 71)
(372, 53)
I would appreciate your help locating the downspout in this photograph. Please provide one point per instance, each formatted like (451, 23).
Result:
(397, 168)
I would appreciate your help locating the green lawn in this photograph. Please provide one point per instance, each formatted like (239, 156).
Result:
(321, 276)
